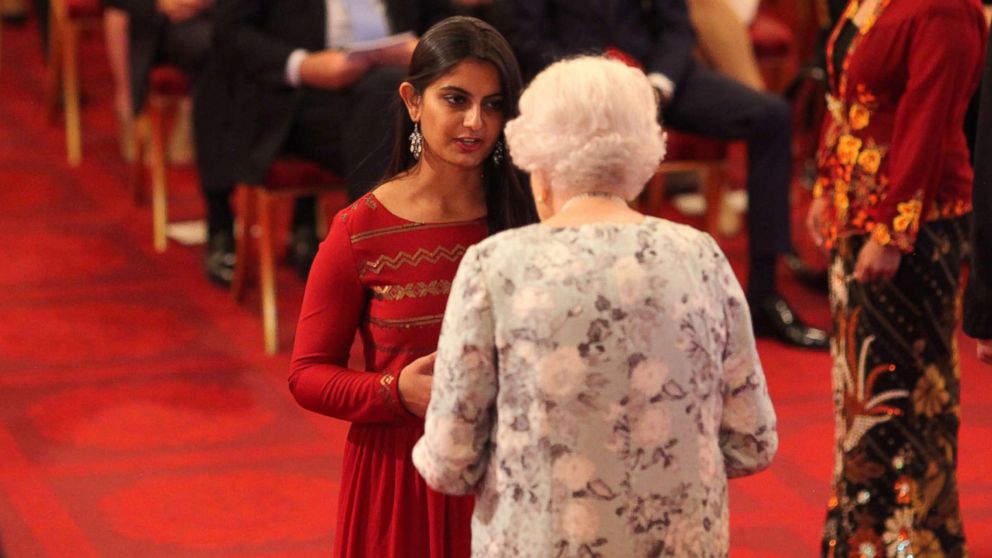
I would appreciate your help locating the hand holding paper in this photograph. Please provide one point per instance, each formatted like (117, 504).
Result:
(394, 50)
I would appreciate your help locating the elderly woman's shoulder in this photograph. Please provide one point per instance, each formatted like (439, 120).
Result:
(672, 228)
(508, 238)
(514, 242)
(679, 234)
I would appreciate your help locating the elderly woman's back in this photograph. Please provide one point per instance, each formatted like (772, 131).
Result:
(628, 390)
(596, 381)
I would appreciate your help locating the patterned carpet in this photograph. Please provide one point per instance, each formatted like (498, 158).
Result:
(140, 416)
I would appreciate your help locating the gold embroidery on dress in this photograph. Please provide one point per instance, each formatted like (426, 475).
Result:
(384, 231)
(408, 227)
(402, 350)
(419, 289)
(418, 321)
(385, 386)
(422, 255)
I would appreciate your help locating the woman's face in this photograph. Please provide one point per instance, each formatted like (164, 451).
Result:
(460, 114)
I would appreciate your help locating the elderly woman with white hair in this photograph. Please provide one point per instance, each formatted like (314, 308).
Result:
(596, 381)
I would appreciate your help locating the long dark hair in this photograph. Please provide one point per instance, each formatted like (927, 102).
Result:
(509, 202)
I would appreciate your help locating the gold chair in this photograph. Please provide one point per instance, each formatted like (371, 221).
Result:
(288, 178)
(706, 158)
(67, 20)
(167, 87)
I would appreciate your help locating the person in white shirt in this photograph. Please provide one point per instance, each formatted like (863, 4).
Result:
(299, 91)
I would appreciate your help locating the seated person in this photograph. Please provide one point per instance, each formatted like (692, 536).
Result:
(298, 90)
(659, 37)
(180, 33)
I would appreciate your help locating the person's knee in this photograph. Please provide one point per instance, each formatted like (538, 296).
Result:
(190, 44)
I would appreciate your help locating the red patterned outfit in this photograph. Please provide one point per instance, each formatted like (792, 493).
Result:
(387, 278)
(894, 163)
(892, 151)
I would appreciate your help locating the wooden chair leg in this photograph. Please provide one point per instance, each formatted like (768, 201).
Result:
(156, 155)
(248, 219)
(141, 140)
(267, 279)
(711, 180)
(654, 195)
(320, 219)
(70, 94)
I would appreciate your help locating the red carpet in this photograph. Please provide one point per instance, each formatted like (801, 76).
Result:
(140, 416)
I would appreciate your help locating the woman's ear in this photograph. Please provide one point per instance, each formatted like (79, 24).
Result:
(411, 99)
(541, 186)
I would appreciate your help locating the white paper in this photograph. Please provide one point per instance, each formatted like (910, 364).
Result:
(366, 47)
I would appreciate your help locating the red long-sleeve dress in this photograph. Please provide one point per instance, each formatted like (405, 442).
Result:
(387, 278)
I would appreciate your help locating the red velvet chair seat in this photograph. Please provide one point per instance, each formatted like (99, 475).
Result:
(287, 173)
(83, 8)
(770, 36)
(168, 80)
(690, 147)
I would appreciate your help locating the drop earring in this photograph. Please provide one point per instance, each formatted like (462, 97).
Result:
(499, 152)
(416, 141)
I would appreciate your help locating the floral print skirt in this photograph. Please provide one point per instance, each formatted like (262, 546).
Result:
(896, 386)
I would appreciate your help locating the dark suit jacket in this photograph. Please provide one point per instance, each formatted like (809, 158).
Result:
(978, 296)
(657, 33)
(258, 36)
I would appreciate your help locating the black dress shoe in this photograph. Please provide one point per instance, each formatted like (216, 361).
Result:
(816, 280)
(219, 259)
(303, 250)
(772, 317)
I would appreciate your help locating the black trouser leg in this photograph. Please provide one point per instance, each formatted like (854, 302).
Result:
(189, 46)
(710, 104)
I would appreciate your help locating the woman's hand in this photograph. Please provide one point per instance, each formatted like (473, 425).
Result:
(985, 350)
(814, 220)
(416, 380)
(876, 262)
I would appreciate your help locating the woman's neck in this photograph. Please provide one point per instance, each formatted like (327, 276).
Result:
(587, 210)
(434, 177)
(434, 192)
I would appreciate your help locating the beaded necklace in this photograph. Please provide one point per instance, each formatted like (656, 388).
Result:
(587, 195)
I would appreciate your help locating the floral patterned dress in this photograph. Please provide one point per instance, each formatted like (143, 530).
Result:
(894, 165)
(596, 386)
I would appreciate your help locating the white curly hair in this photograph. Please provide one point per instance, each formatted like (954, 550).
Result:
(588, 124)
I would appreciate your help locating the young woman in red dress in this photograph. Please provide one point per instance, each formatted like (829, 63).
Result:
(385, 270)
